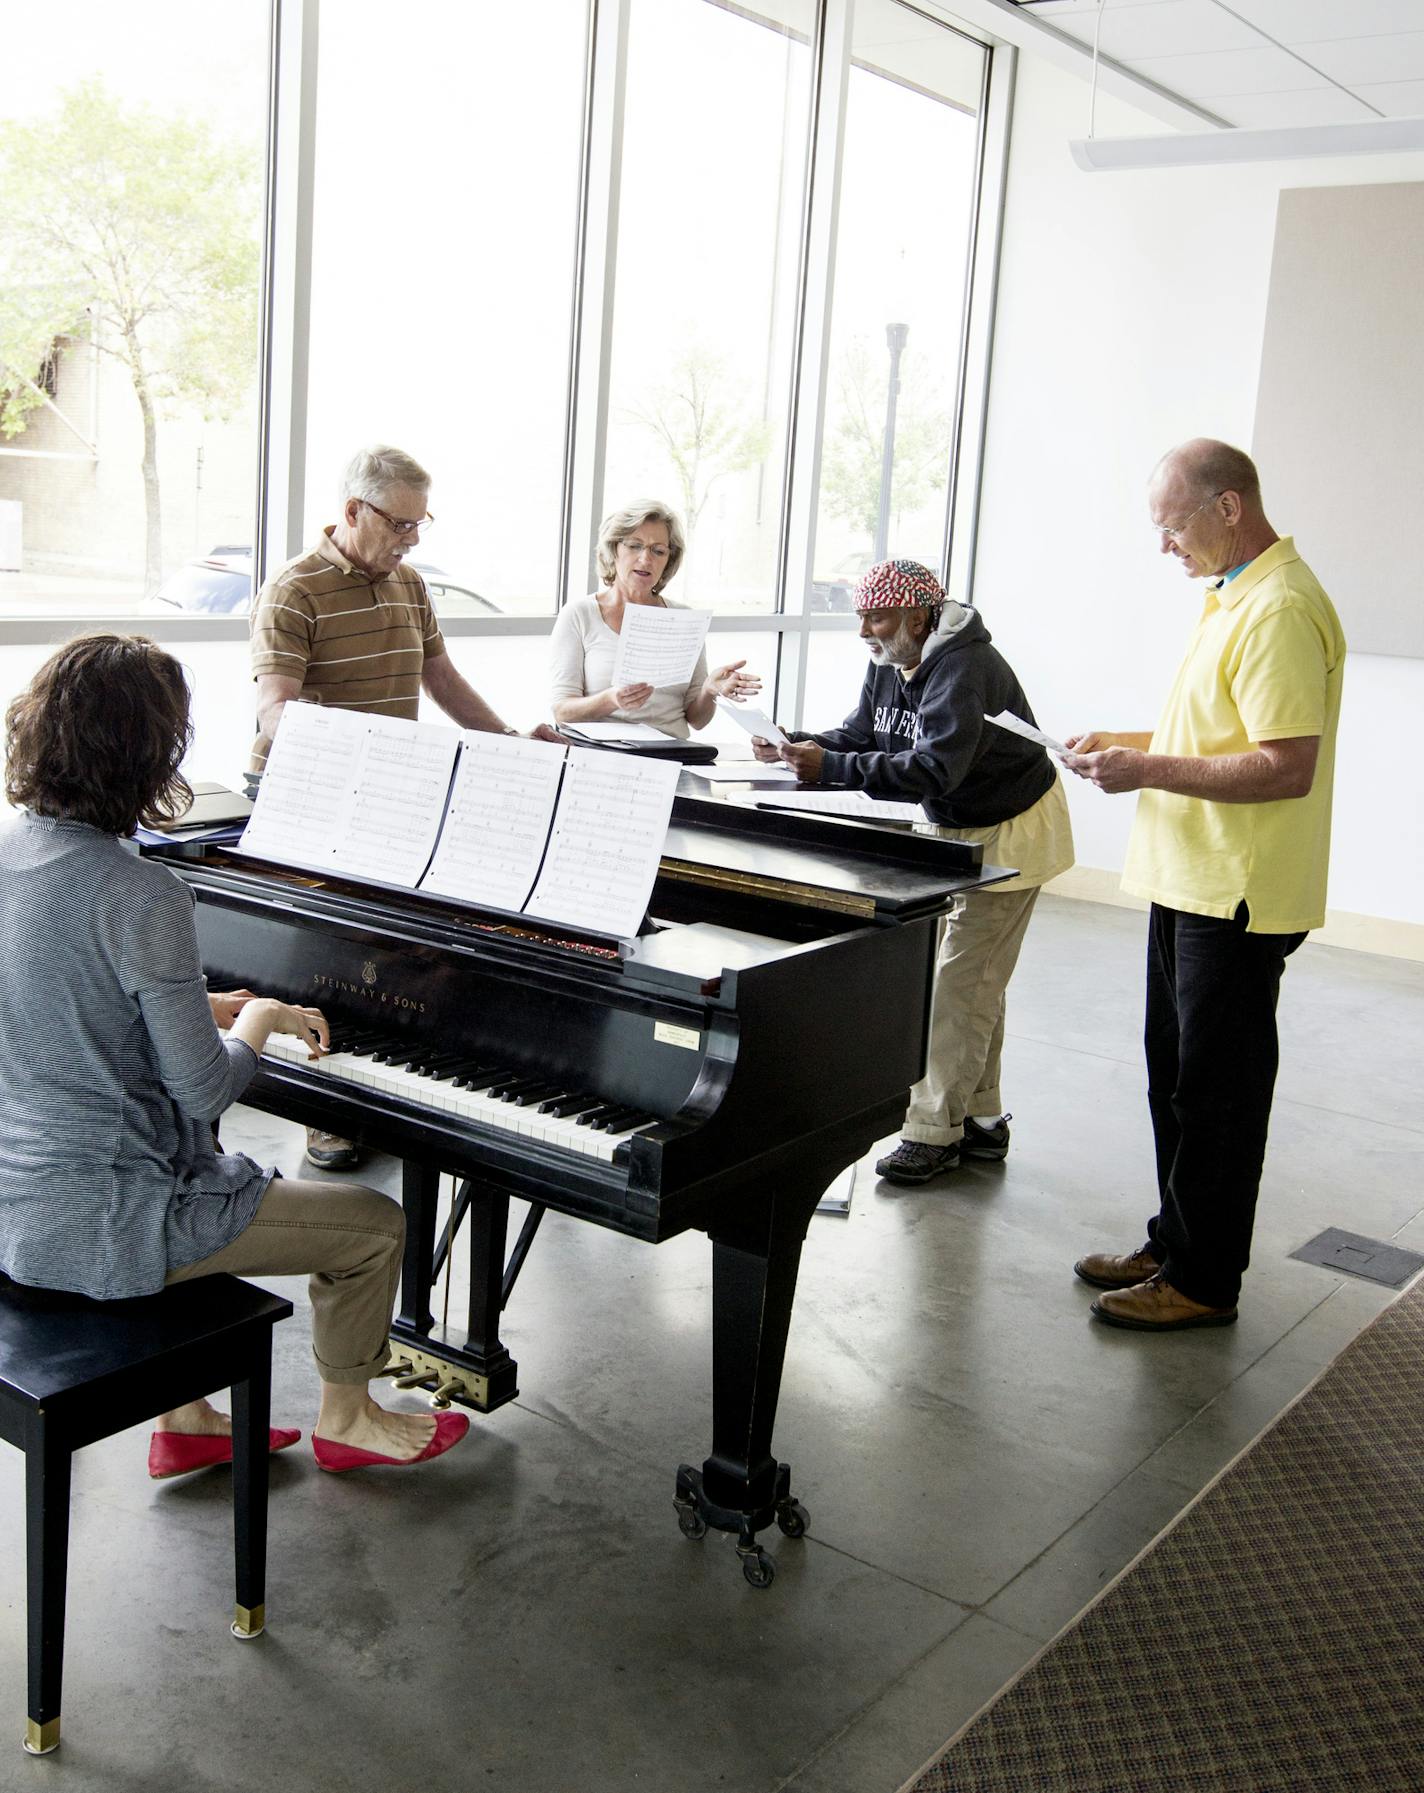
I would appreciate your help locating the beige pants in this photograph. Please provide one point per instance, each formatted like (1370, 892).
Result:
(979, 947)
(349, 1239)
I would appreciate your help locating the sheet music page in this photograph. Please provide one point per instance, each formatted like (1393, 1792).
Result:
(617, 731)
(608, 838)
(844, 803)
(398, 790)
(498, 821)
(1017, 726)
(658, 647)
(305, 792)
(753, 720)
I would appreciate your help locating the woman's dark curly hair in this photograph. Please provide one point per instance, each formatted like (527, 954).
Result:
(100, 734)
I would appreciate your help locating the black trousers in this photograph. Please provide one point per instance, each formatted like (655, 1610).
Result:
(1211, 1071)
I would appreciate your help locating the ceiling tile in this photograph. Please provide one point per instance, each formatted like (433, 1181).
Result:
(1170, 28)
(1312, 106)
(1396, 99)
(1399, 57)
(1229, 72)
(1305, 21)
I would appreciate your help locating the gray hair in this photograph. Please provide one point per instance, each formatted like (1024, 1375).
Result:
(618, 525)
(372, 472)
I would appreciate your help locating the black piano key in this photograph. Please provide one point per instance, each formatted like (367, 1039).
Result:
(482, 1076)
(565, 1107)
(509, 1087)
(593, 1115)
(617, 1122)
(530, 1097)
(432, 1063)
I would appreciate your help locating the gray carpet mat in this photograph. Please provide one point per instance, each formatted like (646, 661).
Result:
(1272, 1637)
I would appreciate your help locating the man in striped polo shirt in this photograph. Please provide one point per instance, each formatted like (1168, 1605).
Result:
(349, 624)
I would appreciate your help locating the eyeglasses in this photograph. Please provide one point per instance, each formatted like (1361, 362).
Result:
(1174, 530)
(401, 525)
(634, 546)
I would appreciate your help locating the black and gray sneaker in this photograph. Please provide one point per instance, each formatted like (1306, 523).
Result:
(985, 1142)
(914, 1162)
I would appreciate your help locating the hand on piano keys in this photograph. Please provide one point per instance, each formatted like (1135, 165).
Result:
(517, 1103)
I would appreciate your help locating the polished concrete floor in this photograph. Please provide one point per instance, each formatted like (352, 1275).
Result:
(978, 1459)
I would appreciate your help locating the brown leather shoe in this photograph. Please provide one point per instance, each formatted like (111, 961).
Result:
(329, 1151)
(1105, 1272)
(1155, 1306)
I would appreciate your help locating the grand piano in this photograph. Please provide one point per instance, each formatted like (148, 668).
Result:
(718, 1072)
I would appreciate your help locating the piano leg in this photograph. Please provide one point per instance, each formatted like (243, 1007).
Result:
(472, 1367)
(741, 1487)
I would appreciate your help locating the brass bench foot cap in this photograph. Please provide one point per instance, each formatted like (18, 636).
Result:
(40, 1740)
(249, 1621)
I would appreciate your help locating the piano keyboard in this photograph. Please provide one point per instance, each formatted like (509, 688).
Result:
(514, 1102)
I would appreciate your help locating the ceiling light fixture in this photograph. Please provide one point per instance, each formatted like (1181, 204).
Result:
(1197, 149)
(1201, 149)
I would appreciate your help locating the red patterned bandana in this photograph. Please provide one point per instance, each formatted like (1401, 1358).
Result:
(895, 584)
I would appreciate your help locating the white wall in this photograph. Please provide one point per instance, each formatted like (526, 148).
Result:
(1131, 315)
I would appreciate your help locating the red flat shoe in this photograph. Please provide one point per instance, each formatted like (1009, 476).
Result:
(450, 1428)
(179, 1453)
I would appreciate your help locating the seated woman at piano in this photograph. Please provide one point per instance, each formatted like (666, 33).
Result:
(113, 1069)
(639, 550)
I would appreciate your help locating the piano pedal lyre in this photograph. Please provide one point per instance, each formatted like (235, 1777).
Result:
(440, 1379)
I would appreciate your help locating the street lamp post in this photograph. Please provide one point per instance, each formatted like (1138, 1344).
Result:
(895, 335)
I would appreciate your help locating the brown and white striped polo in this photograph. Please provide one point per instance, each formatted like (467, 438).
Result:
(355, 641)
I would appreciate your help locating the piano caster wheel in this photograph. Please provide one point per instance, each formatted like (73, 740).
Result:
(793, 1520)
(757, 1566)
(690, 1522)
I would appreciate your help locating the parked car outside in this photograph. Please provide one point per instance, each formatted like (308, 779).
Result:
(220, 584)
(836, 591)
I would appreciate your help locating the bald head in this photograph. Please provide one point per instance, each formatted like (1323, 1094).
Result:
(1205, 500)
(1205, 467)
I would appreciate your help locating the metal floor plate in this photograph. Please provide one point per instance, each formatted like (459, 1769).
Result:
(1374, 1259)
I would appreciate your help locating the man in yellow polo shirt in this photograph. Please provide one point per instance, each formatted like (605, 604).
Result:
(1230, 845)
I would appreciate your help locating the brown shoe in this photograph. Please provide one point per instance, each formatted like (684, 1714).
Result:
(1155, 1306)
(329, 1151)
(1105, 1272)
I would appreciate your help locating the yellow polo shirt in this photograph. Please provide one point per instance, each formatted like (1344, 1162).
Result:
(1265, 664)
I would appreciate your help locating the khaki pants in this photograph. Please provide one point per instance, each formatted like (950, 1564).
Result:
(349, 1239)
(979, 947)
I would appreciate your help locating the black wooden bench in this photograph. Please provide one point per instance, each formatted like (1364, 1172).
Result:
(73, 1371)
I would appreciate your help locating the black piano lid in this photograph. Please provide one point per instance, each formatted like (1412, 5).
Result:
(865, 868)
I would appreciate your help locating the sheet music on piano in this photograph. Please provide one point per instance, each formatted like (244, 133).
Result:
(568, 834)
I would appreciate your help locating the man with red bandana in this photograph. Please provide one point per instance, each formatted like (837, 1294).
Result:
(919, 734)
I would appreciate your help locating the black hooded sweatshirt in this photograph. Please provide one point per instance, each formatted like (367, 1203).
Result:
(925, 739)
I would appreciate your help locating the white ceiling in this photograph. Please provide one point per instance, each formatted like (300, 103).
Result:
(1261, 62)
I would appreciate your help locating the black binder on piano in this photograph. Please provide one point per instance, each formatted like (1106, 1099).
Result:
(716, 1073)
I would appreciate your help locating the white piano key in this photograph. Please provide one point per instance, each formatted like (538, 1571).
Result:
(439, 1094)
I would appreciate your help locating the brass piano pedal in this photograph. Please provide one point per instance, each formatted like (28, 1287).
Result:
(443, 1392)
(403, 1368)
(414, 1379)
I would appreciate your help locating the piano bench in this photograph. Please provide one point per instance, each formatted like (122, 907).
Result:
(73, 1371)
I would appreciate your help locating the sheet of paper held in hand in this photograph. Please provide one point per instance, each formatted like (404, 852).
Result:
(1017, 726)
(753, 720)
(346, 791)
(658, 647)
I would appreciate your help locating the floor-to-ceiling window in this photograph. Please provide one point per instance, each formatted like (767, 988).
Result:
(712, 251)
